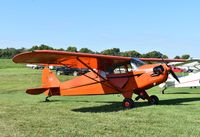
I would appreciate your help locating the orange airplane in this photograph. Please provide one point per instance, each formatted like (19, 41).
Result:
(108, 75)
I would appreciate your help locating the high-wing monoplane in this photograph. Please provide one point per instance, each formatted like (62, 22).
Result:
(108, 75)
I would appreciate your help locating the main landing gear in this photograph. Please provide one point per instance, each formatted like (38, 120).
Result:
(128, 103)
(153, 100)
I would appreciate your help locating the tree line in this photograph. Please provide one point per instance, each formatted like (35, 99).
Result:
(8, 53)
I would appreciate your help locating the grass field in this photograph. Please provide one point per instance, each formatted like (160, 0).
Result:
(177, 115)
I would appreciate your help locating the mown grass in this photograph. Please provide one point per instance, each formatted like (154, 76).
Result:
(25, 115)
(7, 63)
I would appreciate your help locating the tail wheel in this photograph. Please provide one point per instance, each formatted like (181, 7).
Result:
(154, 100)
(128, 103)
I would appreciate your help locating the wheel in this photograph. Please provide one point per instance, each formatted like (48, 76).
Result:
(128, 103)
(154, 100)
(75, 73)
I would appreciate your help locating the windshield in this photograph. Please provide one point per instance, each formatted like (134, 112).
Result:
(135, 63)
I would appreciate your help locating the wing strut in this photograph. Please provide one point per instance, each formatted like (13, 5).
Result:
(112, 86)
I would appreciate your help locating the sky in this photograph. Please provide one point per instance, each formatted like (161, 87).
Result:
(169, 26)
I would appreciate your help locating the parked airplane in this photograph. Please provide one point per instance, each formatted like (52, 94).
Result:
(191, 80)
(108, 75)
(190, 65)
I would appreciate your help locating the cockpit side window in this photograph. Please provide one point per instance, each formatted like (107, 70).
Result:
(126, 67)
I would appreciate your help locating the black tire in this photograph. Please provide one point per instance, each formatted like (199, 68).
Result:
(154, 100)
(128, 103)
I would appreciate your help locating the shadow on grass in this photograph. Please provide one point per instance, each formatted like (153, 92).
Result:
(50, 101)
(117, 106)
(181, 93)
(112, 107)
(178, 101)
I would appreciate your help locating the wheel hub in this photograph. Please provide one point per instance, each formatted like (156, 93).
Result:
(127, 104)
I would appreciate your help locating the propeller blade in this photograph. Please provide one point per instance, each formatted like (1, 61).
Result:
(171, 71)
(165, 62)
(174, 75)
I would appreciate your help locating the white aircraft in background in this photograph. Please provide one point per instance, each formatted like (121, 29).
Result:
(191, 64)
(190, 80)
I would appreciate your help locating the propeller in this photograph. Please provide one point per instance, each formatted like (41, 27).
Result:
(174, 75)
(171, 71)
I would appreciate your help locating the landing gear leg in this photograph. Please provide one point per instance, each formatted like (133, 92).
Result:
(49, 95)
(142, 95)
(46, 99)
(163, 91)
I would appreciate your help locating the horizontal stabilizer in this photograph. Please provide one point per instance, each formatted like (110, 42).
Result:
(36, 91)
(48, 91)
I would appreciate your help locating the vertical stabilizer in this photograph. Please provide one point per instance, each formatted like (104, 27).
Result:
(49, 79)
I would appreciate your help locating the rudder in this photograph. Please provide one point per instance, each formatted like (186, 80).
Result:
(49, 79)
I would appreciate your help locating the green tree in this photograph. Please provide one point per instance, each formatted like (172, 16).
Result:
(71, 49)
(34, 48)
(60, 49)
(131, 53)
(177, 57)
(113, 51)
(22, 50)
(8, 53)
(41, 47)
(153, 54)
(185, 56)
(86, 50)
(165, 56)
(45, 47)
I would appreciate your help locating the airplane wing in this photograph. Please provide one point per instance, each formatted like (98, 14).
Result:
(70, 59)
(77, 60)
(161, 60)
